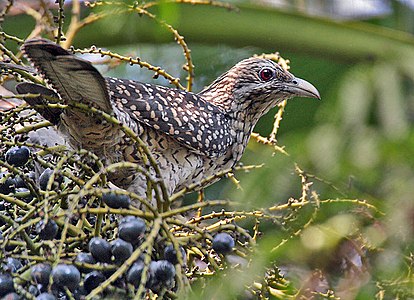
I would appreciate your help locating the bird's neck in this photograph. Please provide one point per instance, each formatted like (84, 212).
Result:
(219, 94)
(241, 121)
(240, 110)
(242, 107)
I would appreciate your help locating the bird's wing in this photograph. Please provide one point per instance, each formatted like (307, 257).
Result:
(186, 117)
(40, 103)
(73, 78)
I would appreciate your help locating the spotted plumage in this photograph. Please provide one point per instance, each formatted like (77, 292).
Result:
(191, 136)
(186, 117)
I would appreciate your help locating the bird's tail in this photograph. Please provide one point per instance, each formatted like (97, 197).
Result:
(74, 79)
(40, 103)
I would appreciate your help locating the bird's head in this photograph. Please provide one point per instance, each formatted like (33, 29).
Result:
(255, 85)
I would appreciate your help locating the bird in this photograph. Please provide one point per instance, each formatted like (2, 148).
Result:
(191, 136)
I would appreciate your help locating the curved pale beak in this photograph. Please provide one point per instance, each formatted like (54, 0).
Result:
(302, 88)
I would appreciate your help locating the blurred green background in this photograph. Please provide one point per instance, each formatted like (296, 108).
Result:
(359, 137)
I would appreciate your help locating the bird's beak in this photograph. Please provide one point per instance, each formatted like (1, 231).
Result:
(302, 88)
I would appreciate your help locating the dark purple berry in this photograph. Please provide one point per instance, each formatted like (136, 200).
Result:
(44, 179)
(171, 255)
(33, 290)
(12, 265)
(7, 185)
(128, 219)
(11, 296)
(19, 182)
(161, 275)
(45, 296)
(121, 250)
(116, 200)
(83, 257)
(18, 156)
(47, 231)
(223, 243)
(66, 276)
(131, 229)
(93, 280)
(163, 270)
(2, 222)
(6, 285)
(40, 273)
(100, 249)
(134, 273)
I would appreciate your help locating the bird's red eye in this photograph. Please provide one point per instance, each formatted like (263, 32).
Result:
(266, 74)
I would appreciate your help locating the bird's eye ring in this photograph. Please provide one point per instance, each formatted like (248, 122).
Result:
(266, 74)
